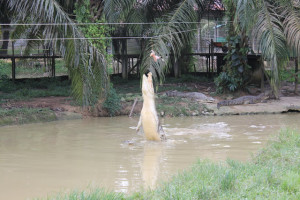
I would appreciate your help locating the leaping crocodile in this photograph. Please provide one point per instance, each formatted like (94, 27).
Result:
(245, 100)
(149, 119)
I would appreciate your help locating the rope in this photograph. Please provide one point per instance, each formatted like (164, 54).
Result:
(104, 23)
(97, 38)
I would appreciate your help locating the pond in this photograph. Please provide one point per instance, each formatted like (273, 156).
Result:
(41, 159)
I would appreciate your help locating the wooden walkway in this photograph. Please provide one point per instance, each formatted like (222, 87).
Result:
(34, 56)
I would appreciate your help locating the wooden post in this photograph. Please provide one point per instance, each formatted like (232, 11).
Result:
(138, 68)
(124, 60)
(132, 64)
(53, 64)
(262, 76)
(176, 68)
(296, 73)
(212, 56)
(113, 65)
(134, 103)
(118, 65)
(13, 63)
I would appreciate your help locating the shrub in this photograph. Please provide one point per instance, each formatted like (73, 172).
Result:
(113, 102)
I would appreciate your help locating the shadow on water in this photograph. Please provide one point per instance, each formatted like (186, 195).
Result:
(40, 159)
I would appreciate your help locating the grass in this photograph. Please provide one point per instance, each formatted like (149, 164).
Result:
(25, 115)
(92, 194)
(30, 68)
(272, 174)
(25, 90)
(177, 106)
(31, 88)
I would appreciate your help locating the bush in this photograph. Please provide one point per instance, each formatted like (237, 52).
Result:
(113, 102)
(225, 83)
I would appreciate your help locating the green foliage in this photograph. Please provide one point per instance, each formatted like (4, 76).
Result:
(187, 63)
(225, 82)
(288, 75)
(86, 64)
(85, 92)
(5, 69)
(112, 102)
(83, 15)
(236, 70)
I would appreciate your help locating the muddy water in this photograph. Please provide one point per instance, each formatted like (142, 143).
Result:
(37, 160)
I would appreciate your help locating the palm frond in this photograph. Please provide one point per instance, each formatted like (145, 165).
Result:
(116, 10)
(82, 60)
(246, 11)
(170, 38)
(291, 23)
(268, 31)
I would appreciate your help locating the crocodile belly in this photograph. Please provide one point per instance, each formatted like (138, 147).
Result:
(150, 125)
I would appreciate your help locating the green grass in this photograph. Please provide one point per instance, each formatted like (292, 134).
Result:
(30, 67)
(31, 88)
(273, 174)
(92, 194)
(177, 106)
(25, 115)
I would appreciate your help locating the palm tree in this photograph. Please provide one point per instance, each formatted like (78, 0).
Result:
(175, 26)
(86, 64)
(5, 19)
(275, 25)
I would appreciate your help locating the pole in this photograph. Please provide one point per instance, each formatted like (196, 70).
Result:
(13, 63)
(53, 63)
(296, 77)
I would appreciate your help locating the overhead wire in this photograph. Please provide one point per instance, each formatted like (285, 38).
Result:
(101, 23)
(96, 38)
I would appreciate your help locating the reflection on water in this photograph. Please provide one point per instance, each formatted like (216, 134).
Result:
(150, 167)
(46, 158)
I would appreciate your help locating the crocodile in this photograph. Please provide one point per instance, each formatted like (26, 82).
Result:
(245, 100)
(149, 118)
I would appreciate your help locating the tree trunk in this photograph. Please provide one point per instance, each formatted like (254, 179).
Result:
(177, 71)
(296, 77)
(124, 60)
(5, 36)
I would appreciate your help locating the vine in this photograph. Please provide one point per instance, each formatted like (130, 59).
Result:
(236, 71)
(83, 14)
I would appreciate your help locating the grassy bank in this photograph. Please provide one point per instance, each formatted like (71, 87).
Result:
(167, 106)
(24, 90)
(273, 174)
(25, 115)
